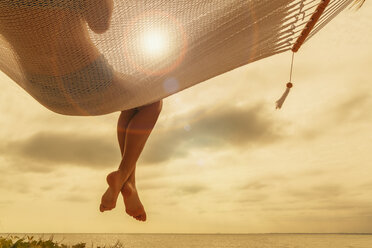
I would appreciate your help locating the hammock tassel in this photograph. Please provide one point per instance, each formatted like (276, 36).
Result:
(280, 102)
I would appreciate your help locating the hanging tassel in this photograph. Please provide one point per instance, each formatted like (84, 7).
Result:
(280, 102)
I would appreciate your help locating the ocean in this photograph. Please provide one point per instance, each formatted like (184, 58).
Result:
(214, 240)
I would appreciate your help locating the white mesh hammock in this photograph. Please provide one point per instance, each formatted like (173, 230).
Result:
(154, 47)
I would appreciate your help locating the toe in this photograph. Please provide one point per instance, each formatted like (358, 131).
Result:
(143, 217)
(104, 208)
(138, 217)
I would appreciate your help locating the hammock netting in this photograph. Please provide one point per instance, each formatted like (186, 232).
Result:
(152, 48)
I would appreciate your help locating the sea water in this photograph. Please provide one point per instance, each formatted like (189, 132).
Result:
(214, 240)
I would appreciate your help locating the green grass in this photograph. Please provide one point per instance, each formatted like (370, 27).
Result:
(29, 242)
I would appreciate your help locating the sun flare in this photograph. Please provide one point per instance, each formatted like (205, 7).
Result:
(155, 42)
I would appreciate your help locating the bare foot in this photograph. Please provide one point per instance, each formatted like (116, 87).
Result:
(133, 205)
(109, 198)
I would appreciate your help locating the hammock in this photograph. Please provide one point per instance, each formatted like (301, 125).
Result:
(154, 48)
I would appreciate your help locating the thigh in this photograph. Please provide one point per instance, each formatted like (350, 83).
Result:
(155, 106)
(127, 115)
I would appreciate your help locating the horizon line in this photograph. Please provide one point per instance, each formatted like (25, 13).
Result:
(214, 233)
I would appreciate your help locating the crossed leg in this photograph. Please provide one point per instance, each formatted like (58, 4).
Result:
(133, 205)
(134, 129)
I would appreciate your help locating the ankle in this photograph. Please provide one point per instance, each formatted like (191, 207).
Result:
(128, 188)
(122, 174)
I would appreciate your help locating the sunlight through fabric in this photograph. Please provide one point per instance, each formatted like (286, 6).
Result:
(99, 57)
(157, 45)
(154, 42)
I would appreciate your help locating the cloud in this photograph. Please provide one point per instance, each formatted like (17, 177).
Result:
(192, 189)
(354, 108)
(253, 198)
(320, 192)
(163, 147)
(44, 151)
(17, 185)
(314, 172)
(234, 126)
(5, 202)
(253, 186)
(344, 209)
(26, 165)
(77, 198)
(47, 187)
(151, 185)
(367, 185)
(226, 125)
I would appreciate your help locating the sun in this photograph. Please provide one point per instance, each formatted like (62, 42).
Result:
(155, 42)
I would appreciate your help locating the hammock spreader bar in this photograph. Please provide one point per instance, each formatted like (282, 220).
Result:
(309, 26)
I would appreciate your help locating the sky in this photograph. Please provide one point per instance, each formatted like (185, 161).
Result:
(221, 159)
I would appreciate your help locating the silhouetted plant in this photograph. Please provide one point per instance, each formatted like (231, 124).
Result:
(29, 242)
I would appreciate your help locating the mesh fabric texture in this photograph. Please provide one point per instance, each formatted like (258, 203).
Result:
(47, 40)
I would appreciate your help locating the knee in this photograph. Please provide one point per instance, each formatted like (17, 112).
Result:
(155, 107)
(98, 15)
(158, 106)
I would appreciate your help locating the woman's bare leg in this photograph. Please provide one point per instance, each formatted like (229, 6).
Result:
(138, 131)
(133, 205)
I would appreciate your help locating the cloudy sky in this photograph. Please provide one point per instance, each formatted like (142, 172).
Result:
(221, 158)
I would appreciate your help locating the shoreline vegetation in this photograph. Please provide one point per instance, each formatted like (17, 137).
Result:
(27, 241)
(9, 240)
